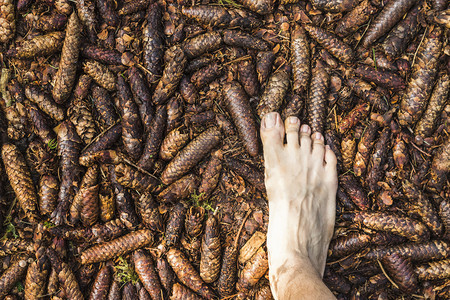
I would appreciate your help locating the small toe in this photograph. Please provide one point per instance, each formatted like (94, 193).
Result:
(272, 135)
(292, 125)
(330, 166)
(318, 148)
(330, 157)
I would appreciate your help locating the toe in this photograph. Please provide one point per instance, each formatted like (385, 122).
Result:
(331, 181)
(305, 140)
(330, 157)
(318, 148)
(331, 165)
(292, 125)
(272, 134)
(272, 129)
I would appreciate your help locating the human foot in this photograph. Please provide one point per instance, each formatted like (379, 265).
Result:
(301, 184)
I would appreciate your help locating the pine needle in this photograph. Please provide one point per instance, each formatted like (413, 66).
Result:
(417, 50)
(385, 274)
(374, 59)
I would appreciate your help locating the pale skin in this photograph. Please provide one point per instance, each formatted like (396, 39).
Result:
(301, 184)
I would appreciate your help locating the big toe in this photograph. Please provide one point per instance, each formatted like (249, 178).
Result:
(272, 134)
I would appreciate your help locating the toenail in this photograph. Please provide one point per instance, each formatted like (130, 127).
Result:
(327, 147)
(305, 128)
(318, 136)
(293, 120)
(269, 120)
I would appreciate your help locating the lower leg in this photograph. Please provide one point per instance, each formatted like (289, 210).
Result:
(296, 278)
(301, 183)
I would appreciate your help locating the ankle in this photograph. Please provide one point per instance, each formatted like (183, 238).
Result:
(288, 257)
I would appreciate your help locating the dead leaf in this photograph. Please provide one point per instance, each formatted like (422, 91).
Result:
(103, 35)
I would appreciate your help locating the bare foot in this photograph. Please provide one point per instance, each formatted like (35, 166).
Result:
(301, 183)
